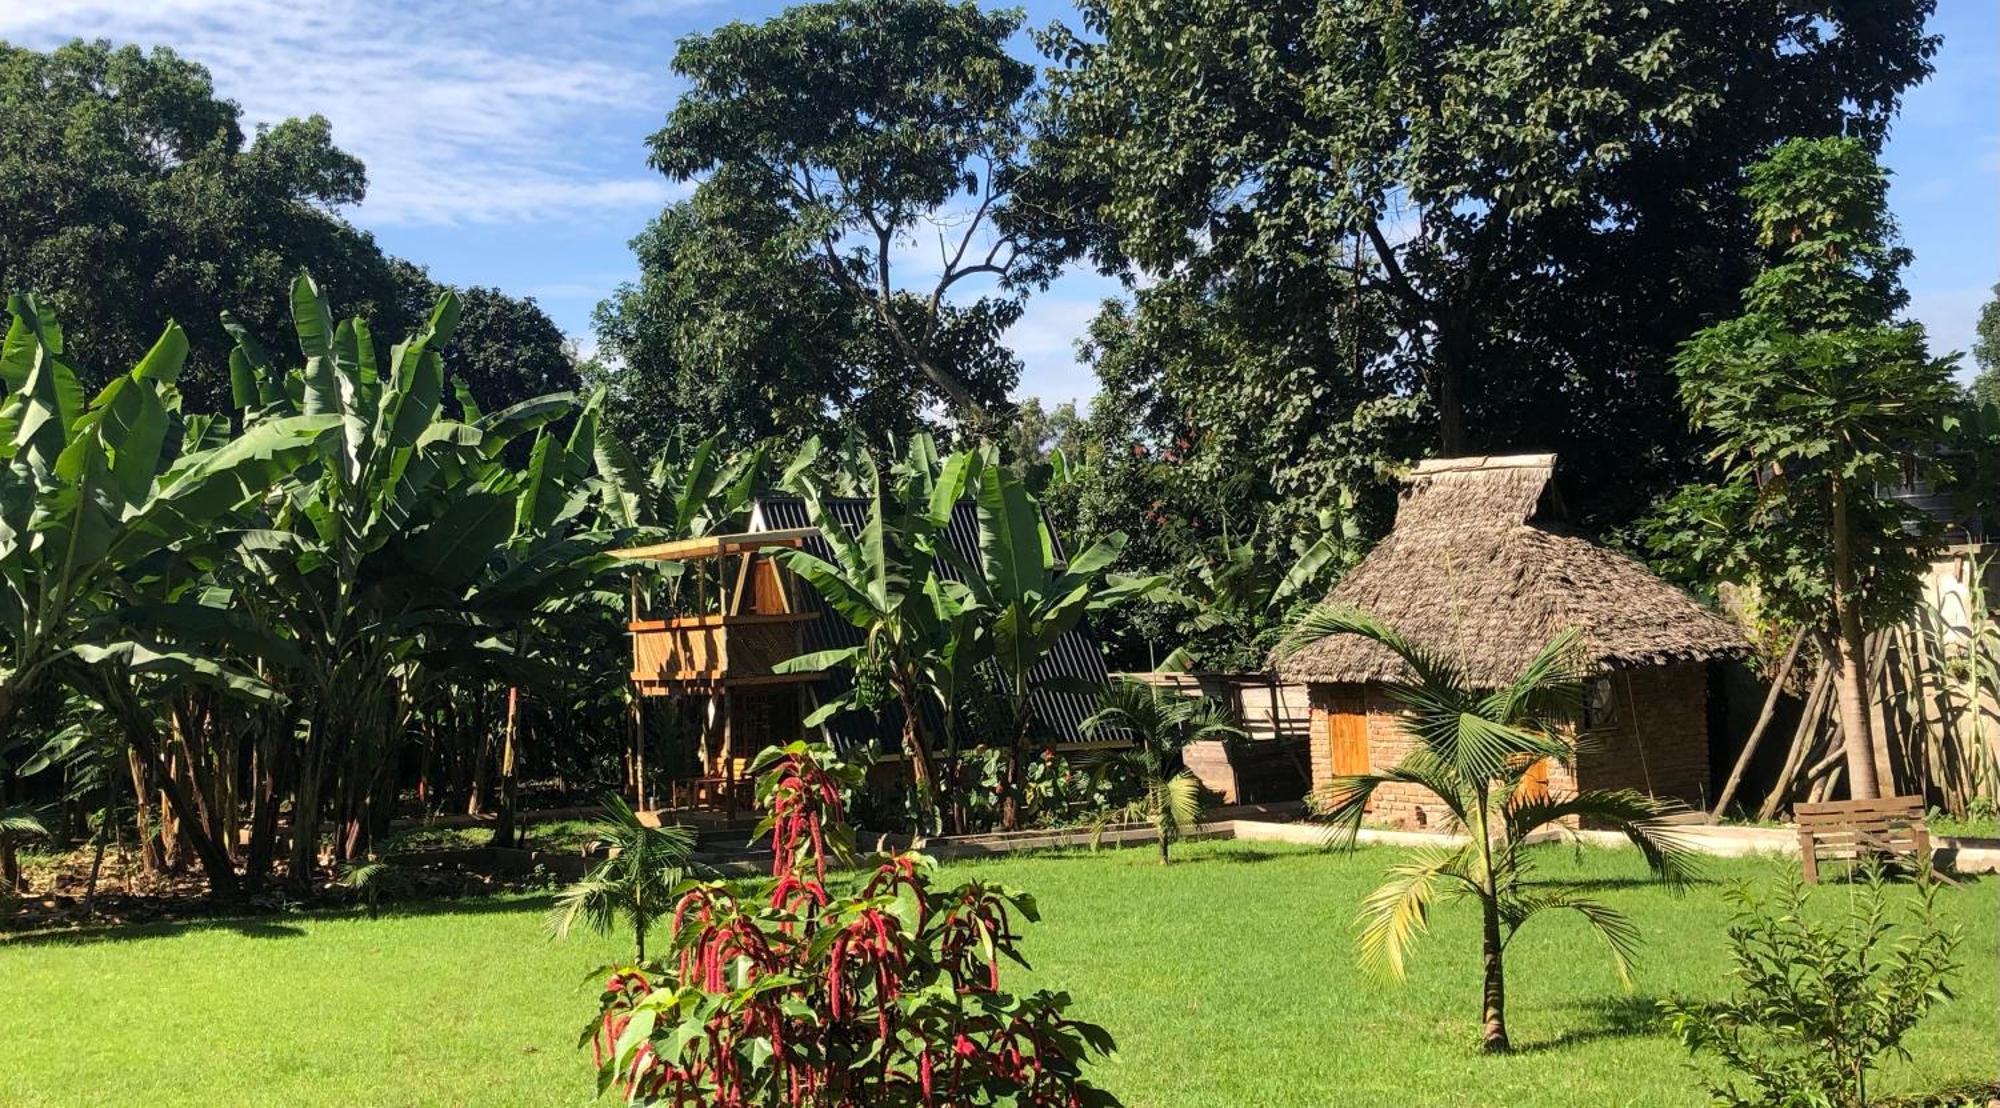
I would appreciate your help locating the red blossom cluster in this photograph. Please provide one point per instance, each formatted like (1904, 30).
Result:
(889, 996)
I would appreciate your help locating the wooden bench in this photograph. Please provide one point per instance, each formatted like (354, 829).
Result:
(1852, 830)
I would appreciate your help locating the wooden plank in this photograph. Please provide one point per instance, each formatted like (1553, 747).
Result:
(715, 546)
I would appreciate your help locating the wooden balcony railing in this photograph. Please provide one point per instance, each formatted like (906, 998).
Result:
(709, 651)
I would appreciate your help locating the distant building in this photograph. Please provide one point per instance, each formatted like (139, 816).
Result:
(734, 612)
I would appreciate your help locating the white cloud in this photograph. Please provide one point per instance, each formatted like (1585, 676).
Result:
(464, 112)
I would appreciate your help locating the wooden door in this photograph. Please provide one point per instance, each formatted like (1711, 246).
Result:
(1347, 736)
(1534, 785)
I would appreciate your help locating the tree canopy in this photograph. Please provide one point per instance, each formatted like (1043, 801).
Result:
(1986, 352)
(134, 198)
(857, 137)
(1539, 199)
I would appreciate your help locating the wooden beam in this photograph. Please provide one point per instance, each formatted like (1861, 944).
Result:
(715, 546)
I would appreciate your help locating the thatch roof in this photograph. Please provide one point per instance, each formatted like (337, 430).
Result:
(1477, 566)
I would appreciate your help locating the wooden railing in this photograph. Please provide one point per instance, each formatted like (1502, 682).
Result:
(709, 650)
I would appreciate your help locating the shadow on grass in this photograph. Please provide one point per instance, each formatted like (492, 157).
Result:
(1636, 881)
(280, 925)
(1619, 1017)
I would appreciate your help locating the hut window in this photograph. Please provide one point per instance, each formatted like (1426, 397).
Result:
(1600, 704)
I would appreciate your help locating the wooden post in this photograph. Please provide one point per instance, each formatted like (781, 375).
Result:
(1808, 725)
(503, 831)
(1763, 724)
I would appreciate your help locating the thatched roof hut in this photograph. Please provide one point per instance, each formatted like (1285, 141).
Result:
(1479, 566)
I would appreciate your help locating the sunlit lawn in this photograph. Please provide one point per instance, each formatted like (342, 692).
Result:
(1228, 980)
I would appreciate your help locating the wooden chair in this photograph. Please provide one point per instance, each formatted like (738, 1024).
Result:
(1852, 830)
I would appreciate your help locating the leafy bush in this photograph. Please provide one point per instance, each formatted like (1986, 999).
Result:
(1819, 1004)
(782, 993)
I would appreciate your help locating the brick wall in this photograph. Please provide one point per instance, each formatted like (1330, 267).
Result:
(1653, 737)
(1656, 739)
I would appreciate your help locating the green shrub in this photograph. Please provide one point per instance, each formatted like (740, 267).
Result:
(1818, 1004)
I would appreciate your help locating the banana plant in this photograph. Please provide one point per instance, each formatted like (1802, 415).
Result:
(396, 519)
(93, 490)
(1242, 592)
(89, 490)
(1030, 597)
(884, 580)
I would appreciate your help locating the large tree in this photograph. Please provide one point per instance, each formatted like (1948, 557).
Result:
(505, 350)
(1986, 352)
(1815, 399)
(1542, 195)
(880, 140)
(727, 331)
(133, 198)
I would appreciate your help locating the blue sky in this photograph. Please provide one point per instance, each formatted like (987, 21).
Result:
(505, 138)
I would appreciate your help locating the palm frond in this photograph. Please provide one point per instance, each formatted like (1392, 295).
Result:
(591, 901)
(1343, 803)
(1395, 914)
(1619, 933)
(1640, 818)
(1164, 720)
(1177, 804)
(1549, 691)
(22, 822)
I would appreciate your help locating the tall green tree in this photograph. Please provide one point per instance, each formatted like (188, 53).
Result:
(1986, 352)
(1815, 399)
(863, 128)
(134, 197)
(1473, 750)
(1538, 198)
(729, 331)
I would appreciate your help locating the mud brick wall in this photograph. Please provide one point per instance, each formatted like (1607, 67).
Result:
(1650, 733)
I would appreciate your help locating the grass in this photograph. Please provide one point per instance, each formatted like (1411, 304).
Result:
(562, 835)
(1228, 980)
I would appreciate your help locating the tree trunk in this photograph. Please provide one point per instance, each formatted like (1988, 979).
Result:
(150, 860)
(305, 809)
(921, 776)
(263, 808)
(1448, 385)
(1851, 658)
(215, 862)
(503, 831)
(1494, 1000)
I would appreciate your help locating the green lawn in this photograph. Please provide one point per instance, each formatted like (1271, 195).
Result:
(1228, 980)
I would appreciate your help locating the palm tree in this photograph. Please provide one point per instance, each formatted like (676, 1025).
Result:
(1161, 723)
(635, 880)
(1475, 748)
(18, 824)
